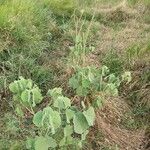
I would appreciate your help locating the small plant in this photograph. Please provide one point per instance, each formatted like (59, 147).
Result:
(95, 83)
(26, 95)
(89, 79)
(79, 50)
(61, 125)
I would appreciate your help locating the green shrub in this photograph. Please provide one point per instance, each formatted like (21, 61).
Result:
(90, 80)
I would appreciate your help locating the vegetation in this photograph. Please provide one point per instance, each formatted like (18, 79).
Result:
(74, 74)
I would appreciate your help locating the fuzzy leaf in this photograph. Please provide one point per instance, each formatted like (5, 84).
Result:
(14, 87)
(80, 123)
(62, 102)
(54, 93)
(73, 82)
(37, 119)
(83, 136)
(90, 116)
(69, 115)
(26, 97)
(43, 143)
(68, 130)
(36, 95)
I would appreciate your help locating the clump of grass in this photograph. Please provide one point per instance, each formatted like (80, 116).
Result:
(114, 61)
(26, 21)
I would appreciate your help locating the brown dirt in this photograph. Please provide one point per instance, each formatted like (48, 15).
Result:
(108, 122)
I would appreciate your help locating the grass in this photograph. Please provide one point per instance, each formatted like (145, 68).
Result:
(47, 40)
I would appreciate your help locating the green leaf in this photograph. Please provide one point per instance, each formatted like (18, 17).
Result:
(73, 82)
(26, 97)
(51, 118)
(54, 93)
(36, 96)
(62, 102)
(80, 123)
(30, 143)
(69, 115)
(90, 116)
(68, 130)
(83, 136)
(66, 141)
(43, 143)
(56, 119)
(58, 103)
(37, 119)
(14, 87)
(62, 142)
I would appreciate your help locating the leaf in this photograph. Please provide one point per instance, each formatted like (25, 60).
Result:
(90, 116)
(51, 118)
(62, 142)
(56, 119)
(54, 93)
(30, 143)
(26, 97)
(66, 141)
(62, 102)
(43, 143)
(37, 119)
(36, 96)
(83, 136)
(80, 123)
(58, 103)
(14, 87)
(68, 130)
(73, 82)
(69, 115)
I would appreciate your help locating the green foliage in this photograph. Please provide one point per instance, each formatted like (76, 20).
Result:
(25, 95)
(114, 62)
(79, 50)
(61, 7)
(62, 117)
(89, 79)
